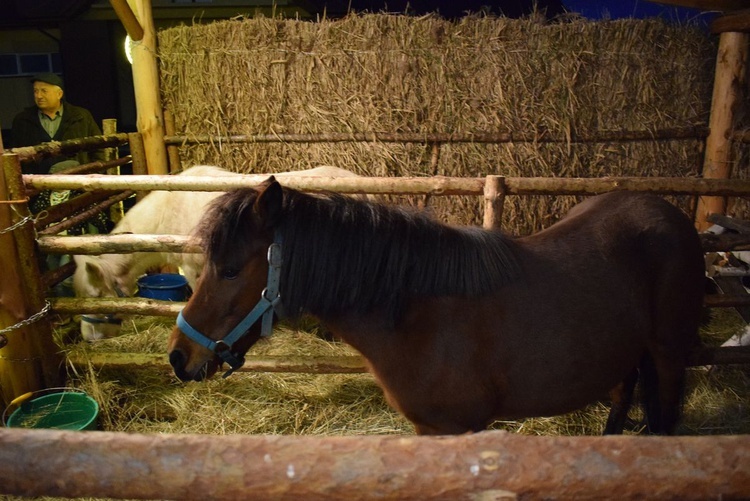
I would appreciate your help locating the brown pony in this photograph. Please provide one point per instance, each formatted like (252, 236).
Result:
(460, 325)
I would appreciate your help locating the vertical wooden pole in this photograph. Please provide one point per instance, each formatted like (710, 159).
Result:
(109, 126)
(147, 94)
(29, 359)
(173, 153)
(729, 85)
(494, 198)
(138, 155)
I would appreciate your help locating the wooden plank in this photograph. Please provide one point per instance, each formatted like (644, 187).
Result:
(480, 466)
(711, 5)
(730, 223)
(738, 21)
(724, 242)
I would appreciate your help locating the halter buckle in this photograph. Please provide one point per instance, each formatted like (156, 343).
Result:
(224, 351)
(274, 255)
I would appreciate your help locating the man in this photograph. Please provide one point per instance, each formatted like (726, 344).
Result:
(52, 119)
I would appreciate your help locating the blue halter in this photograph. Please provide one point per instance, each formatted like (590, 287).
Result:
(263, 310)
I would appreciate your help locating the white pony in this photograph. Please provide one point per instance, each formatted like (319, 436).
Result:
(158, 213)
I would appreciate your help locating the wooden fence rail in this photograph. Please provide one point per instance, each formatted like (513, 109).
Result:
(481, 466)
(436, 186)
(603, 136)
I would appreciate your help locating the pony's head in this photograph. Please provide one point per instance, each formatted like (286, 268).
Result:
(96, 277)
(236, 234)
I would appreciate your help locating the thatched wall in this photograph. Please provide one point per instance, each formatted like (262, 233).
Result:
(387, 73)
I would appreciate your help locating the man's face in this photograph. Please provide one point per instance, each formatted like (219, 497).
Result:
(47, 96)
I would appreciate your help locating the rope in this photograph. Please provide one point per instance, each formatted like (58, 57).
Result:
(33, 318)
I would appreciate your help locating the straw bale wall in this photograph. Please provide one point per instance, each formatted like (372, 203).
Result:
(387, 73)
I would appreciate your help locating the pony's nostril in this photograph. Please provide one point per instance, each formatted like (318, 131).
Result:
(177, 359)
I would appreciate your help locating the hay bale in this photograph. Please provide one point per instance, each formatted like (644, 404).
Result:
(387, 73)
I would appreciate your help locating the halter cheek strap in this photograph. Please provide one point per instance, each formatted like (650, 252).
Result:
(269, 301)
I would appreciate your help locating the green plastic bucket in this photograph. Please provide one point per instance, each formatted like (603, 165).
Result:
(66, 410)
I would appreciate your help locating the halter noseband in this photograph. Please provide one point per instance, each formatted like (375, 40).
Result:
(263, 310)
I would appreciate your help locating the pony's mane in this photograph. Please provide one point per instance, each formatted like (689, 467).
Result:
(344, 255)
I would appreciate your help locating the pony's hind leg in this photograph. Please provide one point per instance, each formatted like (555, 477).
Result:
(662, 388)
(622, 398)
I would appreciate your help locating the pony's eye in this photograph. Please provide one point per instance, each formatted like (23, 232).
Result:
(230, 273)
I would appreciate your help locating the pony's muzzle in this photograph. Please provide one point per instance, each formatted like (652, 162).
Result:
(178, 361)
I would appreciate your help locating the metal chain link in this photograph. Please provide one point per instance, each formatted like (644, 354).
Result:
(33, 318)
(17, 225)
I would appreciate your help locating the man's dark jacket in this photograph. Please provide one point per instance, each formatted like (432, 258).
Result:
(76, 122)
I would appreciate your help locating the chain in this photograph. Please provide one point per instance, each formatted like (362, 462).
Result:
(17, 225)
(33, 318)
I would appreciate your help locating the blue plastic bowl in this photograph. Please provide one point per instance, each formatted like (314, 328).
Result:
(164, 286)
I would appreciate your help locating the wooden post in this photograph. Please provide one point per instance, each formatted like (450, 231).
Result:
(138, 154)
(109, 126)
(729, 84)
(173, 152)
(494, 197)
(29, 358)
(147, 94)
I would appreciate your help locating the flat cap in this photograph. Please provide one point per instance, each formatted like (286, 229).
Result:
(49, 78)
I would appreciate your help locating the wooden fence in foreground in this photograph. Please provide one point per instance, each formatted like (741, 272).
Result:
(491, 465)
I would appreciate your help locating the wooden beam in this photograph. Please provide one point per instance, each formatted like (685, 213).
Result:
(601, 136)
(480, 466)
(711, 5)
(723, 355)
(128, 19)
(734, 21)
(116, 243)
(292, 364)
(436, 186)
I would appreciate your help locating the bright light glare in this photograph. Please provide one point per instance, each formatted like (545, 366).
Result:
(128, 49)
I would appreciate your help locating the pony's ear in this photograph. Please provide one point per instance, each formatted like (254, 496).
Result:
(95, 272)
(268, 204)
